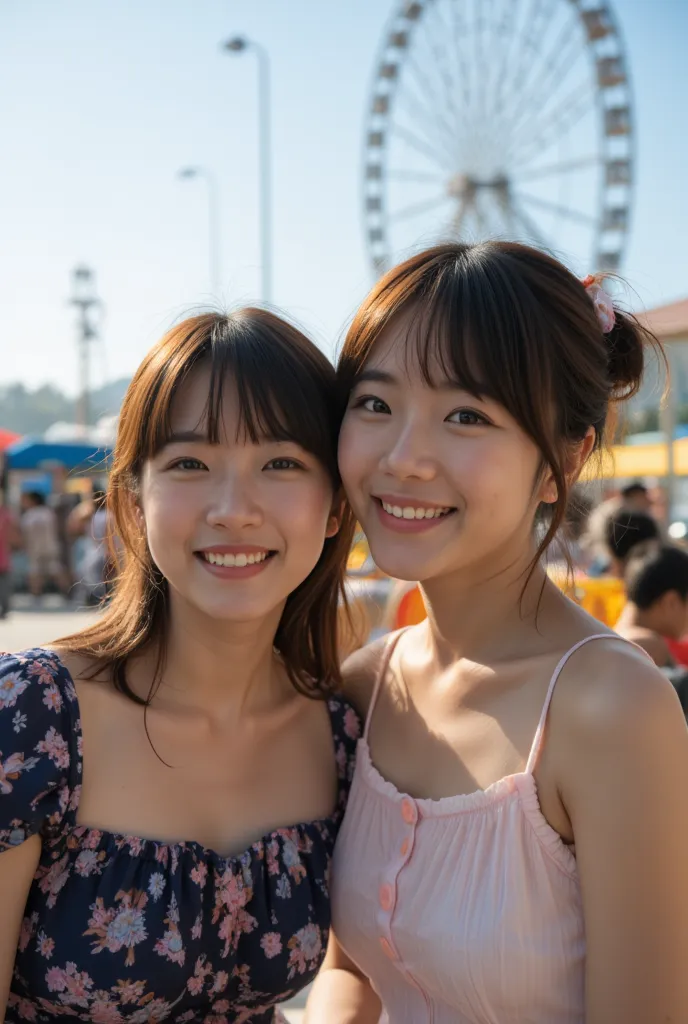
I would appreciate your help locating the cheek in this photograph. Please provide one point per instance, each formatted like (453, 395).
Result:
(355, 453)
(498, 474)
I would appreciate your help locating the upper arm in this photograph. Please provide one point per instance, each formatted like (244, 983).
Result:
(624, 774)
(17, 868)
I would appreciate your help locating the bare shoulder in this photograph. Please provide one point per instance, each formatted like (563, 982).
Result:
(611, 695)
(361, 669)
(653, 643)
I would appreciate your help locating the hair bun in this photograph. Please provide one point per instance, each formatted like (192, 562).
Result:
(626, 344)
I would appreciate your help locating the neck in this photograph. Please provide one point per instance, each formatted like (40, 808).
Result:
(226, 669)
(486, 611)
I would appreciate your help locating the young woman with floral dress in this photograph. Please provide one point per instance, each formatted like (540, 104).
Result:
(515, 843)
(170, 791)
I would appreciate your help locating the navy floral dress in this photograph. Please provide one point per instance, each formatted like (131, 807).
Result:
(121, 929)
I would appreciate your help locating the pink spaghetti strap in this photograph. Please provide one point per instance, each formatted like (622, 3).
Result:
(539, 735)
(384, 664)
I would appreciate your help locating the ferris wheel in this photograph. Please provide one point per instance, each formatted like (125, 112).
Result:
(500, 119)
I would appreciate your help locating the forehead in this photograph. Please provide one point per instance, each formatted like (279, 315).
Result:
(415, 346)
(191, 403)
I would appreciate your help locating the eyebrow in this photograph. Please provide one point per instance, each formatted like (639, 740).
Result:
(383, 377)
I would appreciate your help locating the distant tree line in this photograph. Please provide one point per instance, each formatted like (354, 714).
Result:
(31, 412)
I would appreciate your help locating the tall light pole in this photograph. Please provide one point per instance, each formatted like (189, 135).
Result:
(237, 45)
(85, 300)
(186, 174)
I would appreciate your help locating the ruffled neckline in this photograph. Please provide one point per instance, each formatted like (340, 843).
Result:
(522, 785)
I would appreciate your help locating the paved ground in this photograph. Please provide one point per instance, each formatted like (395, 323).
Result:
(31, 625)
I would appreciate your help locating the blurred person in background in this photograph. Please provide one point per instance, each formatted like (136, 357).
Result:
(10, 538)
(89, 520)
(42, 545)
(625, 530)
(656, 613)
(636, 498)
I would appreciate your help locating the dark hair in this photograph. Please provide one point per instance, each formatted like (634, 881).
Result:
(508, 322)
(36, 497)
(286, 390)
(624, 530)
(635, 488)
(661, 570)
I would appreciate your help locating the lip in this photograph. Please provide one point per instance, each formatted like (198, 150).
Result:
(409, 525)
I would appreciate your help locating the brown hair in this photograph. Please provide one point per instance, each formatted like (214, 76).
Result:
(511, 323)
(287, 391)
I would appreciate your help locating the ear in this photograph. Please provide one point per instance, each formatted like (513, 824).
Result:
(578, 455)
(335, 518)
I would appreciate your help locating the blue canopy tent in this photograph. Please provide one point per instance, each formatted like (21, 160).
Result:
(34, 453)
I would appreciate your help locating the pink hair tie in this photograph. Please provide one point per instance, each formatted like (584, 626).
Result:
(602, 301)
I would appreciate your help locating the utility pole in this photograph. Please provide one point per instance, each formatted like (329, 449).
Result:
(85, 300)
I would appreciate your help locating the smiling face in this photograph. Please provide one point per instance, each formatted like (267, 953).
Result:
(441, 480)
(233, 526)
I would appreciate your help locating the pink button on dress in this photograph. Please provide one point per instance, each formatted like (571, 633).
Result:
(464, 910)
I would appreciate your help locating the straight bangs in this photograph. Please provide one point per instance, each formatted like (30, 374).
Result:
(467, 322)
(283, 393)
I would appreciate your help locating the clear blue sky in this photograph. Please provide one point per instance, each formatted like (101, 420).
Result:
(104, 101)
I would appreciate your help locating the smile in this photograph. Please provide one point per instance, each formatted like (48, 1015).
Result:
(414, 512)
(239, 560)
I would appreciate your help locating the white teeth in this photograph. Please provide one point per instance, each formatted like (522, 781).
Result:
(239, 560)
(409, 512)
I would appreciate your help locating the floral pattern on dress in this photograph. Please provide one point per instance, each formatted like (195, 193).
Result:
(123, 930)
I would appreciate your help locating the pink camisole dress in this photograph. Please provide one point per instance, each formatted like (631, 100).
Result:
(463, 910)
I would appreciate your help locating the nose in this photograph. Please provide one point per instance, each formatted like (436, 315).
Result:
(410, 456)
(233, 505)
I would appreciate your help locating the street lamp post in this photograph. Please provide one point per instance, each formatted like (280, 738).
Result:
(237, 45)
(84, 298)
(186, 174)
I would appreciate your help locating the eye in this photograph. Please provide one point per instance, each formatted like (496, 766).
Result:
(187, 464)
(370, 403)
(284, 463)
(468, 418)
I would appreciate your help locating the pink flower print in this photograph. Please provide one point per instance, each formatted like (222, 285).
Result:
(45, 945)
(28, 927)
(185, 1017)
(162, 855)
(25, 1009)
(153, 1012)
(352, 726)
(89, 863)
(216, 1018)
(197, 927)
(341, 759)
(272, 944)
(54, 879)
(122, 928)
(91, 839)
(11, 687)
(52, 698)
(42, 673)
(272, 852)
(292, 860)
(12, 768)
(74, 798)
(221, 1007)
(129, 991)
(55, 746)
(72, 985)
(199, 874)
(102, 1011)
(171, 945)
(219, 984)
(306, 948)
(201, 972)
(233, 927)
(195, 985)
